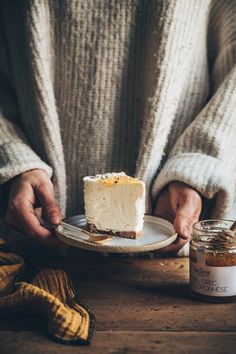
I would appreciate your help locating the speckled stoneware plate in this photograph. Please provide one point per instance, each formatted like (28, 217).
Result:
(157, 233)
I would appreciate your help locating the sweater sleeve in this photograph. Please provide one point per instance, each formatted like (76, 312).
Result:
(204, 155)
(16, 155)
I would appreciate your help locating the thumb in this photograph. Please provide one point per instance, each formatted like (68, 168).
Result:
(185, 216)
(51, 210)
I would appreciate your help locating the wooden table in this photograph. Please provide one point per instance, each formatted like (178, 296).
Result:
(141, 306)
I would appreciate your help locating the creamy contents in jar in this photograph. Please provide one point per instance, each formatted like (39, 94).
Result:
(213, 261)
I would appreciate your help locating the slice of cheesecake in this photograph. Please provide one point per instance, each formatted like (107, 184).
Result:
(114, 204)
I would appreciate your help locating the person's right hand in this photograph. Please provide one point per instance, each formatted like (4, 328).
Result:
(32, 197)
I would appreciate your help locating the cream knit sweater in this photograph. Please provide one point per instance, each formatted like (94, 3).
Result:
(144, 86)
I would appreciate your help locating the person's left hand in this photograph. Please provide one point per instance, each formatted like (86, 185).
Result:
(181, 205)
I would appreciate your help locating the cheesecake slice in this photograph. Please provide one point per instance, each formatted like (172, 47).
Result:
(114, 204)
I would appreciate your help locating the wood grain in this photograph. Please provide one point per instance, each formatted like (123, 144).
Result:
(141, 306)
(122, 342)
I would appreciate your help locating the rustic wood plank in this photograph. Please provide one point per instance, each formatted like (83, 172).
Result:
(144, 294)
(122, 342)
(166, 317)
(141, 295)
(145, 313)
(103, 266)
(118, 317)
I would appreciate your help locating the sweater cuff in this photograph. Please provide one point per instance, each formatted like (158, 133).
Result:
(16, 158)
(208, 175)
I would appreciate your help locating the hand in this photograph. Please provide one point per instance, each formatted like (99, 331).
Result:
(31, 196)
(181, 205)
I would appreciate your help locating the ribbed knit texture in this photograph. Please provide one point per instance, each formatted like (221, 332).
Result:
(144, 86)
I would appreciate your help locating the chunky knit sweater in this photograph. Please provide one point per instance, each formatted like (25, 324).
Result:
(143, 86)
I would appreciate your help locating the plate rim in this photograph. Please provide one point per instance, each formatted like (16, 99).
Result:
(83, 244)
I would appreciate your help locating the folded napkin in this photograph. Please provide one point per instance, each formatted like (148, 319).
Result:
(49, 293)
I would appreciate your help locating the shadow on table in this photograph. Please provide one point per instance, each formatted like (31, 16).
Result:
(21, 322)
(173, 290)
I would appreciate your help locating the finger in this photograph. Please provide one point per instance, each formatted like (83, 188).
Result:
(51, 210)
(162, 208)
(38, 213)
(21, 215)
(183, 224)
(33, 230)
(174, 247)
(187, 213)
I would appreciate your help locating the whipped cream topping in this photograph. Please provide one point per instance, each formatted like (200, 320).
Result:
(104, 176)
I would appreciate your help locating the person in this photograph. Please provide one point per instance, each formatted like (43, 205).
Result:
(142, 86)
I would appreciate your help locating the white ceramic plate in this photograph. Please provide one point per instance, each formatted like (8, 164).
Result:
(157, 233)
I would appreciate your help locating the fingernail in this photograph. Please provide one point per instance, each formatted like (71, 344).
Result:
(186, 233)
(55, 220)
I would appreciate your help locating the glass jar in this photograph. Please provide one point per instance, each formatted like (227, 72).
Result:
(213, 261)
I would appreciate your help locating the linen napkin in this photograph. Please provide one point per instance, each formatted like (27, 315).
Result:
(48, 293)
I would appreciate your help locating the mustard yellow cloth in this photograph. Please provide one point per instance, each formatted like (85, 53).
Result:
(49, 293)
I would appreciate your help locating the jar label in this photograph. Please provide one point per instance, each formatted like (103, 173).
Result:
(212, 281)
